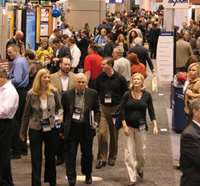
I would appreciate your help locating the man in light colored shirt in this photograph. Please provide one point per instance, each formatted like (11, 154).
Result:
(19, 77)
(67, 31)
(75, 53)
(63, 80)
(121, 64)
(9, 100)
(52, 37)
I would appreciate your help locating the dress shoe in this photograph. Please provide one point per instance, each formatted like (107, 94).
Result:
(18, 156)
(177, 167)
(88, 179)
(100, 164)
(140, 173)
(24, 153)
(111, 163)
(131, 184)
(59, 162)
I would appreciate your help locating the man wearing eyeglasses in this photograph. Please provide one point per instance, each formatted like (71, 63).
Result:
(101, 41)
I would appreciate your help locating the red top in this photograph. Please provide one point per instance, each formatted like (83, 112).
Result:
(92, 63)
(138, 68)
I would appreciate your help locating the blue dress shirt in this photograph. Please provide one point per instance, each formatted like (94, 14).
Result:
(19, 74)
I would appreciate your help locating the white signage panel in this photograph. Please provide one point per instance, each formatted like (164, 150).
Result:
(176, 3)
(165, 56)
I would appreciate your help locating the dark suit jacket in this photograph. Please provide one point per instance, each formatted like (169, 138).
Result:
(142, 54)
(154, 34)
(109, 49)
(83, 46)
(91, 103)
(190, 155)
(193, 43)
(63, 52)
(11, 41)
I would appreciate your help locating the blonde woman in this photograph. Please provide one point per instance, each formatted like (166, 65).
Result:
(43, 51)
(42, 102)
(133, 115)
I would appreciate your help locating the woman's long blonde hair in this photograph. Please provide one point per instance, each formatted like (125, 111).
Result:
(143, 87)
(37, 83)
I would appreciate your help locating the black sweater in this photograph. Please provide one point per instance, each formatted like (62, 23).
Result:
(132, 110)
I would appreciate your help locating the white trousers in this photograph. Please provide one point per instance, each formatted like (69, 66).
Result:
(134, 150)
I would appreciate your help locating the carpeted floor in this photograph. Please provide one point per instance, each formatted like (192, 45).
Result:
(161, 151)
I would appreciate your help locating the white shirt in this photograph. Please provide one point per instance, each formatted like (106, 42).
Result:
(9, 101)
(67, 31)
(57, 51)
(64, 81)
(76, 54)
(196, 123)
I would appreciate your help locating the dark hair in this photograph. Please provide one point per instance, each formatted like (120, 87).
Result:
(14, 47)
(94, 46)
(109, 60)
(66, 25)
(56, 40)
(56, 30)
(65, 36)
(130, 37)
(180, 35)
(84, 31)
(3, 72)
(110, 35)
(30, 53)
(72, 40)
(86, 24)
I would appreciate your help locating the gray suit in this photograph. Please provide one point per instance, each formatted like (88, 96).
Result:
(183, 51)
(33, 113)
(55, 78)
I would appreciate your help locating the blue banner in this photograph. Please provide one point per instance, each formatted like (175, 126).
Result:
(116, 1)
(30, 28)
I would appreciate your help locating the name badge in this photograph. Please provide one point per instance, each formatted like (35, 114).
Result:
(108, 98)
(142, 124)
(77, 114)
(45, 124)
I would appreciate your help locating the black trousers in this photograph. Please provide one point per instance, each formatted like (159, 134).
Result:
(17, 144)
(5, 147)
(36, 140)
(78, 135)
(92, 84)
(153, 50)
(59, 146)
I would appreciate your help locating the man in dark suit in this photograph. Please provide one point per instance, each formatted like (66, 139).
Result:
(59, 52)
(78, 104)
(153, 35)
(142, 53)
(109, 46)
(189, 39)
(16, 40)
(190, 148)
(83, 46)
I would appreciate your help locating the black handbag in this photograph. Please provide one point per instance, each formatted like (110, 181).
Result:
(116, 119)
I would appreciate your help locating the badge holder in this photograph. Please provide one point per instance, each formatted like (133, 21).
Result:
(77, 114)
(142, 124)
(45, 124)
(108, 98)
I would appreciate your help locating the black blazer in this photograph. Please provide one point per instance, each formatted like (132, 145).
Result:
(154, 34)
(143, 55)
(91, 103)
(11, 41)
(83, 46)
(64, 52)
(190, 155)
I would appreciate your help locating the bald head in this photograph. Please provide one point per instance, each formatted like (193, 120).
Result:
(80, 82)
(19, 35)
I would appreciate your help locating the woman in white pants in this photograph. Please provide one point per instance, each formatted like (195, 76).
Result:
(133, 115)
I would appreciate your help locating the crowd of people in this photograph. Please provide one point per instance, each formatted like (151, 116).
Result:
(72, 86)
